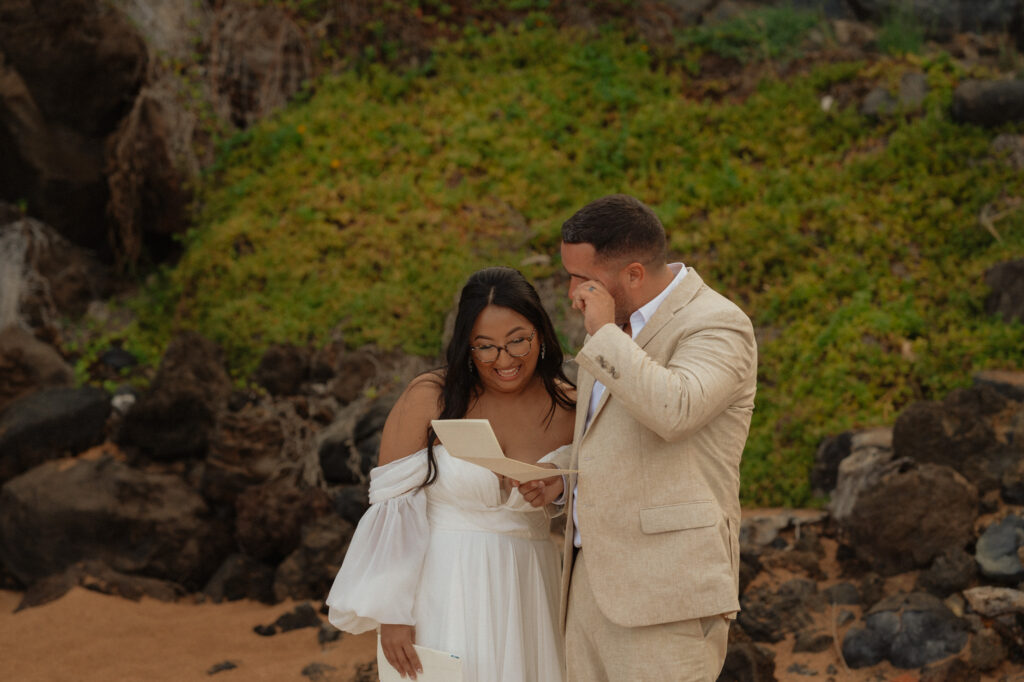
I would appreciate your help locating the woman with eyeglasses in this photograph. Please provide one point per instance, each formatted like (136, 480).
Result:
(448, 556)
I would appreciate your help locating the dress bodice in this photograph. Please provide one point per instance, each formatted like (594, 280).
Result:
(469, 497)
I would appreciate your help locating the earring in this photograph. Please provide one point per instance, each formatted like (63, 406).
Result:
(542, 350)
(471, 365)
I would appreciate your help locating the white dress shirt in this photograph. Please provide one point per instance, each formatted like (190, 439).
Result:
(636, 323)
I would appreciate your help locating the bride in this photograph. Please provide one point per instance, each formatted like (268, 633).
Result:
(448, 556)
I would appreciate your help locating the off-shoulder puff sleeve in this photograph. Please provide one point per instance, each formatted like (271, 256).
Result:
(377, 580)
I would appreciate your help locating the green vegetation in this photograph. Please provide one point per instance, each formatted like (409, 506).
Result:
(900, 33)
(854, 244)
(758, 35)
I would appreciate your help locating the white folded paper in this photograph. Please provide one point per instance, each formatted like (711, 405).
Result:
(474, 441)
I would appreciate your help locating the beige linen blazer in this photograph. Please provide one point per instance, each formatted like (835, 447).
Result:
(658, 482)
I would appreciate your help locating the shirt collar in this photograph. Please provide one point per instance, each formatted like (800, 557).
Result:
(644, 313)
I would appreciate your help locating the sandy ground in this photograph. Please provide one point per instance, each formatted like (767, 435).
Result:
(90, 637)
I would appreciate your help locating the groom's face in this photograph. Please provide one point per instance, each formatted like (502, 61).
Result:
(582, 264)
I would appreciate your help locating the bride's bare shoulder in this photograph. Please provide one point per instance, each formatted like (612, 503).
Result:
(405, 430)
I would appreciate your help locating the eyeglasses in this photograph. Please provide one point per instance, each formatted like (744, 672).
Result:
(516, 348)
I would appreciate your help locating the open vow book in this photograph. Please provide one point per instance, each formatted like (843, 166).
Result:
(438, 666)
(474, 441)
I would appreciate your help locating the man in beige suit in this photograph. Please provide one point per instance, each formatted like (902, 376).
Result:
(666, 386)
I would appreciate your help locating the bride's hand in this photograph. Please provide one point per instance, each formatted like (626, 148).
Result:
(542, 491)
(396, 642)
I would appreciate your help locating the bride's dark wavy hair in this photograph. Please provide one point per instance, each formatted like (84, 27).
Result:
(505, 287)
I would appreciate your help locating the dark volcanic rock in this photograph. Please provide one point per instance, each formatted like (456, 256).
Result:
(813, 641)
(337, 460)
(367, 434)
(28, 365)
(871, 589)
(59, 279)
(348, 448)
(954, 670)
(909, 630)
(259, 58)
(959, 433)
(318, 672)
(1009, 384)
(952, 571)
(72, 70)
(767, 616)
(250, 440)
(282, 369)
(989, 103)
(354, 370)
(987, 650)
(302, 616)
(941, 20)
(176, 416)
(1006, 299)
(241, 577)
(151, 167)
(48, 424)
(366, 672)
(746, 661)
(869, 451)
(270, 518)
(842, 593)
(309, 571)
(997, 550)
(221, 667)
(97, 576)
(929, 632)
(912, 513)
(863, 647)
(879, 103)
(150, 524)
(826, 462)
(352, 501)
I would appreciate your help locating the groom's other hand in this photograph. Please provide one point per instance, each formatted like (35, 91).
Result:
(542, 491)
(396, 642)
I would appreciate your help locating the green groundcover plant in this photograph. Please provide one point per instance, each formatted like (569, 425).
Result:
(854, 244)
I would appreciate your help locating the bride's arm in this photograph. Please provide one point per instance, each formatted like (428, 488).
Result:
(376, 585)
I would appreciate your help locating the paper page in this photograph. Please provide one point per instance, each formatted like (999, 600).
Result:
(474, 441)
(438, 666)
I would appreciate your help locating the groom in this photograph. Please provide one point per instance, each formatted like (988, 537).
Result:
(666, 388)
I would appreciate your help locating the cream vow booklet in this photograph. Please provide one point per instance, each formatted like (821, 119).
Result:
(474, 441)
(438, 666)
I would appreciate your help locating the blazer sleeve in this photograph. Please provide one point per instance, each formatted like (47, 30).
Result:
(561, 458)
(378, 579)
(706, 371)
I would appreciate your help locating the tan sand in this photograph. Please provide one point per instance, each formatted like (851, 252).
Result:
(90, 637)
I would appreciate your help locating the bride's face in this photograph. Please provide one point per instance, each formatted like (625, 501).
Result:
(508, 334)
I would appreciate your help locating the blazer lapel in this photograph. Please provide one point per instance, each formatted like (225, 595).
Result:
(597, 410)
(676, 300)
(585, 390)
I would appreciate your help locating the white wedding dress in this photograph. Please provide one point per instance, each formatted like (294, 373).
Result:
(474, 569)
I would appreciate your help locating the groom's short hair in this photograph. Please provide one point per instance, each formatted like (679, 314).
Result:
(618, 226)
